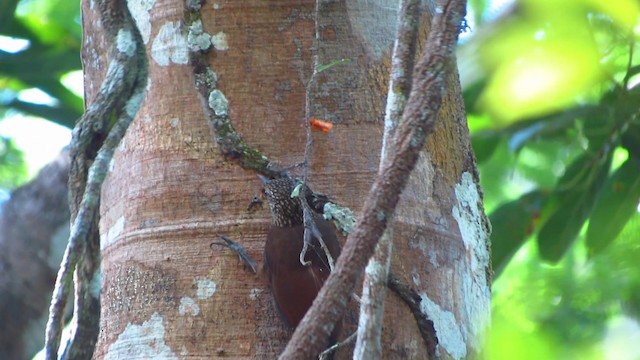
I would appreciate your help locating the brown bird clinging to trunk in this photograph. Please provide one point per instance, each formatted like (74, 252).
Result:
(294, 286)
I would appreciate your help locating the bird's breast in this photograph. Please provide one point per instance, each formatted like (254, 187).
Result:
(295, 286)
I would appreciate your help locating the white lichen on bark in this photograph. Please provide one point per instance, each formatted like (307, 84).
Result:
(188, 306)
(170, 45)
(474, 231)
(197, 38)
(144, 341)
(140, 11)
(206, 288)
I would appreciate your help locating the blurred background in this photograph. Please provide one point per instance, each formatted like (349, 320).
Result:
(553, 100)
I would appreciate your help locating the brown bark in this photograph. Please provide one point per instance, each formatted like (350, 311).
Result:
(170, 192)
(34, 226)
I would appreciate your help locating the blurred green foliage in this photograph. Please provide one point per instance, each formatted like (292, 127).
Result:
(13, 169)
(51, 33)
(54, 36)
(552, 137)
(552, 90)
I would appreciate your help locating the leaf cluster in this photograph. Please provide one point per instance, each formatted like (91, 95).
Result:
(53, 38)
(554, 117)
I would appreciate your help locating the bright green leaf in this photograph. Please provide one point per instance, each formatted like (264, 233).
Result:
(544, 77)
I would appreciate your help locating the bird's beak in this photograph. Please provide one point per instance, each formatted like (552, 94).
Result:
(264, 179)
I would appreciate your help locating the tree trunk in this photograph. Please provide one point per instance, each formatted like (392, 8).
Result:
(166, 291)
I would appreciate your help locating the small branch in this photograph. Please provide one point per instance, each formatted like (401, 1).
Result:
(310, 228)
(417, 122)
(311, 231)
(327, 353)
(402, 63)
(374, 292)
(111, 112)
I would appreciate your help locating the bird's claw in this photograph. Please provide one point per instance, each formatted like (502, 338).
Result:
(238, 249)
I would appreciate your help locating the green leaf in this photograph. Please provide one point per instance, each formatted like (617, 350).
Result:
(631, 140)
(484, 145)
(7, 10)
(512, 223)
(54, 21)
(54, 34)
(618, 202)
(60, 115)
(549, 126)
(324, 67)
(577, 193)
(539, 161)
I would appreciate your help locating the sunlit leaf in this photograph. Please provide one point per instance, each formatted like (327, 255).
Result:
(509, 340)
(54, 21)
(624, 12)
(541, 161)
(546, 76)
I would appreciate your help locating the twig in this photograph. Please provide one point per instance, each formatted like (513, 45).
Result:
(417, 122)
(312, 232)
(368, 344)
(310, 228)
(326, 353)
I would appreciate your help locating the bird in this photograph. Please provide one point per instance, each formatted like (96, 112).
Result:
(294, 286)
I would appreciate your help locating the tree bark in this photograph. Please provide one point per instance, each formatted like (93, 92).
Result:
(170, 192)
(34, 227)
